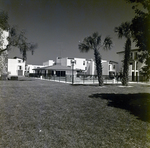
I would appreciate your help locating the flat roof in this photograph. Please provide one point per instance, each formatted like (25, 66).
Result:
(124, 51)
(56, 67)
(113, 62)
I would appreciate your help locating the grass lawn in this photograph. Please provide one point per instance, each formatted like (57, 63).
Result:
(46, 114)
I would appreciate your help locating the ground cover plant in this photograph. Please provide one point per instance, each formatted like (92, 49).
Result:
(38, 113)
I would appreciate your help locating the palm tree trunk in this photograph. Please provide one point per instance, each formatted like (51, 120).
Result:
(98, 66)
(126, 62)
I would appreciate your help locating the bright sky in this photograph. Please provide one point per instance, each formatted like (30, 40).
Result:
(58, 25)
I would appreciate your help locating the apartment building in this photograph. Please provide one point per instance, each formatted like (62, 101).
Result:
(16, 67)
(78, 63)
(134, 66)
(88, 66)
(110, 68)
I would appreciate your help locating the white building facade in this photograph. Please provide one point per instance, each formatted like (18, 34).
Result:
(16, 67)
(110, 68)
(30, 68)
(88, 67)
(48, 63)
(79, 63)
(134, 65)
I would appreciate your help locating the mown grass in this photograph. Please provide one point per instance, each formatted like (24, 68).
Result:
(44, 114)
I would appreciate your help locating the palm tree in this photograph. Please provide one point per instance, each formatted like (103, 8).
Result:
(94, 42)
(124, 31)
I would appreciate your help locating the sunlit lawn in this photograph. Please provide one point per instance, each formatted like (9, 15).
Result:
(45, 114)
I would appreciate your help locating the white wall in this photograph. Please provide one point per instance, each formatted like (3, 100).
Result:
(29, 68)
(90, 67)
(79, 63)
(105, 69)
(48, 63)
(13, 66)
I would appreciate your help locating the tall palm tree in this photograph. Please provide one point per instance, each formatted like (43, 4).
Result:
(94, 42)
(124, 31)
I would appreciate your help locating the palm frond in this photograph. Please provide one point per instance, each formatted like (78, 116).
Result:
(98, 42)
(126, 28)
(95, 35)
(123, 30)
(90, 42)
(83, 47)
(107, 43)
(119, 31)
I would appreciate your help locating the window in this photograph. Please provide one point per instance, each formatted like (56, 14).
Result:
(136, 65)
(72, 62)
(19, 61)
(131, 55)
(114, 67)
(109, 67)
(20, 67)
(136, 55)
(83, 62)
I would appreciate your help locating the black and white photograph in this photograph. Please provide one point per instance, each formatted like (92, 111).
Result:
(74, 73)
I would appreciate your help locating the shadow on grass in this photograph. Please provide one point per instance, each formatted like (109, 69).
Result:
(137, 104)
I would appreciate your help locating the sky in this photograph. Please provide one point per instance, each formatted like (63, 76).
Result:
(57, 26)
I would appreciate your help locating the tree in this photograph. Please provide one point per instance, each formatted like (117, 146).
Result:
(16, 38)
(4, 20)
(19, 40)
(94, 42)
(140, 28)
(124, 31)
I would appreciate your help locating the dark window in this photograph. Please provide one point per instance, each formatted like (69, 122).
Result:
(131, 55)
(136, 55)
(20, 67)
(113, 66)
(83, 62)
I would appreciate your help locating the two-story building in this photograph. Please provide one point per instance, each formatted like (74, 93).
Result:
(134, 64)
(64, 66)
(16, 66)
(88, 66)
(109, 68)
(79, 63)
